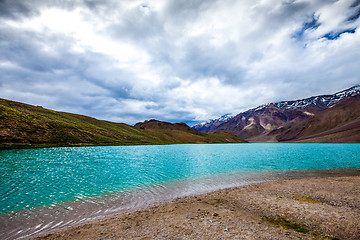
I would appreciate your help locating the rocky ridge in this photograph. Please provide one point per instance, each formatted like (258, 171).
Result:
(270, 122)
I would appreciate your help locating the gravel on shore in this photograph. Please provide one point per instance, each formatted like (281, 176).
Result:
(312, 208)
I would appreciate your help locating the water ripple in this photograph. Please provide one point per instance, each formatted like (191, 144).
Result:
(46, 189)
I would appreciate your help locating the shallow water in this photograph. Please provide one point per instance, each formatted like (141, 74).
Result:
(46, 189)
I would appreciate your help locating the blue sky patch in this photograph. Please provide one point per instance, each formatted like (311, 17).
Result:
(336, 35)
(313, 24)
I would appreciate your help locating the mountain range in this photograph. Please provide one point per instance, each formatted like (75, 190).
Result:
(324, 118)
(23, 126)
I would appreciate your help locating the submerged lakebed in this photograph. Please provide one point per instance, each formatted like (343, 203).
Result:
(44, 190)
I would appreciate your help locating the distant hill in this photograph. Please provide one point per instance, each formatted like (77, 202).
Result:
(155, 124)
(298, 120)
(23, 125)
(183, 132)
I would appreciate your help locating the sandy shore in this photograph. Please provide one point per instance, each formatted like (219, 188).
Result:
(314, 208)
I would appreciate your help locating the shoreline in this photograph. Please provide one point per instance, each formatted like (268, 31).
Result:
(323, 205)
(5, 147)
(181, 172)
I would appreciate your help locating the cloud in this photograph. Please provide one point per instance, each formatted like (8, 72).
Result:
(16, 9)
(175, 60)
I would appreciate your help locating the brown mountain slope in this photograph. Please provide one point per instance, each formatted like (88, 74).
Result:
(23, 125)
(156, 124)
(349, 133)
(181, 131)
(261, 121)
(339, 123)
(294, 120)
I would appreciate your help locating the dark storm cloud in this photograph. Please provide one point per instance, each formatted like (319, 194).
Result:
(26, 49)
(355, 4)
(291, 8)
(14, 9)
(356, 11)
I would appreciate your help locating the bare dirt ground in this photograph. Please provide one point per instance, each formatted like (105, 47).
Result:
(314, 208)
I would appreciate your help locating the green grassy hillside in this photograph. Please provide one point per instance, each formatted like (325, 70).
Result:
(23, 125)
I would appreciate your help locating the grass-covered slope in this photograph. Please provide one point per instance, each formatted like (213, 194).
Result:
(23, 125)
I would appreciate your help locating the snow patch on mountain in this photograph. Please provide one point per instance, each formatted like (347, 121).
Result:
(319, 101)
(221, 119)
(322, 102)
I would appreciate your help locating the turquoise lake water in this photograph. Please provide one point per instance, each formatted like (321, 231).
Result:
(36, 177)
(32, 178)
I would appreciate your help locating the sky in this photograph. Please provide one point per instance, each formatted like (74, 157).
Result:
(175, 60)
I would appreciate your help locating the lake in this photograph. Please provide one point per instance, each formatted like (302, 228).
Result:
(42, 190)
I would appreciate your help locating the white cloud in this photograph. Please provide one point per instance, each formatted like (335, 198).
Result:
(175, 60)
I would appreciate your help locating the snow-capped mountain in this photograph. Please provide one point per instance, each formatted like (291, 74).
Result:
(272, 117)
(213, 122)
(322, 101)
(317, 102)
